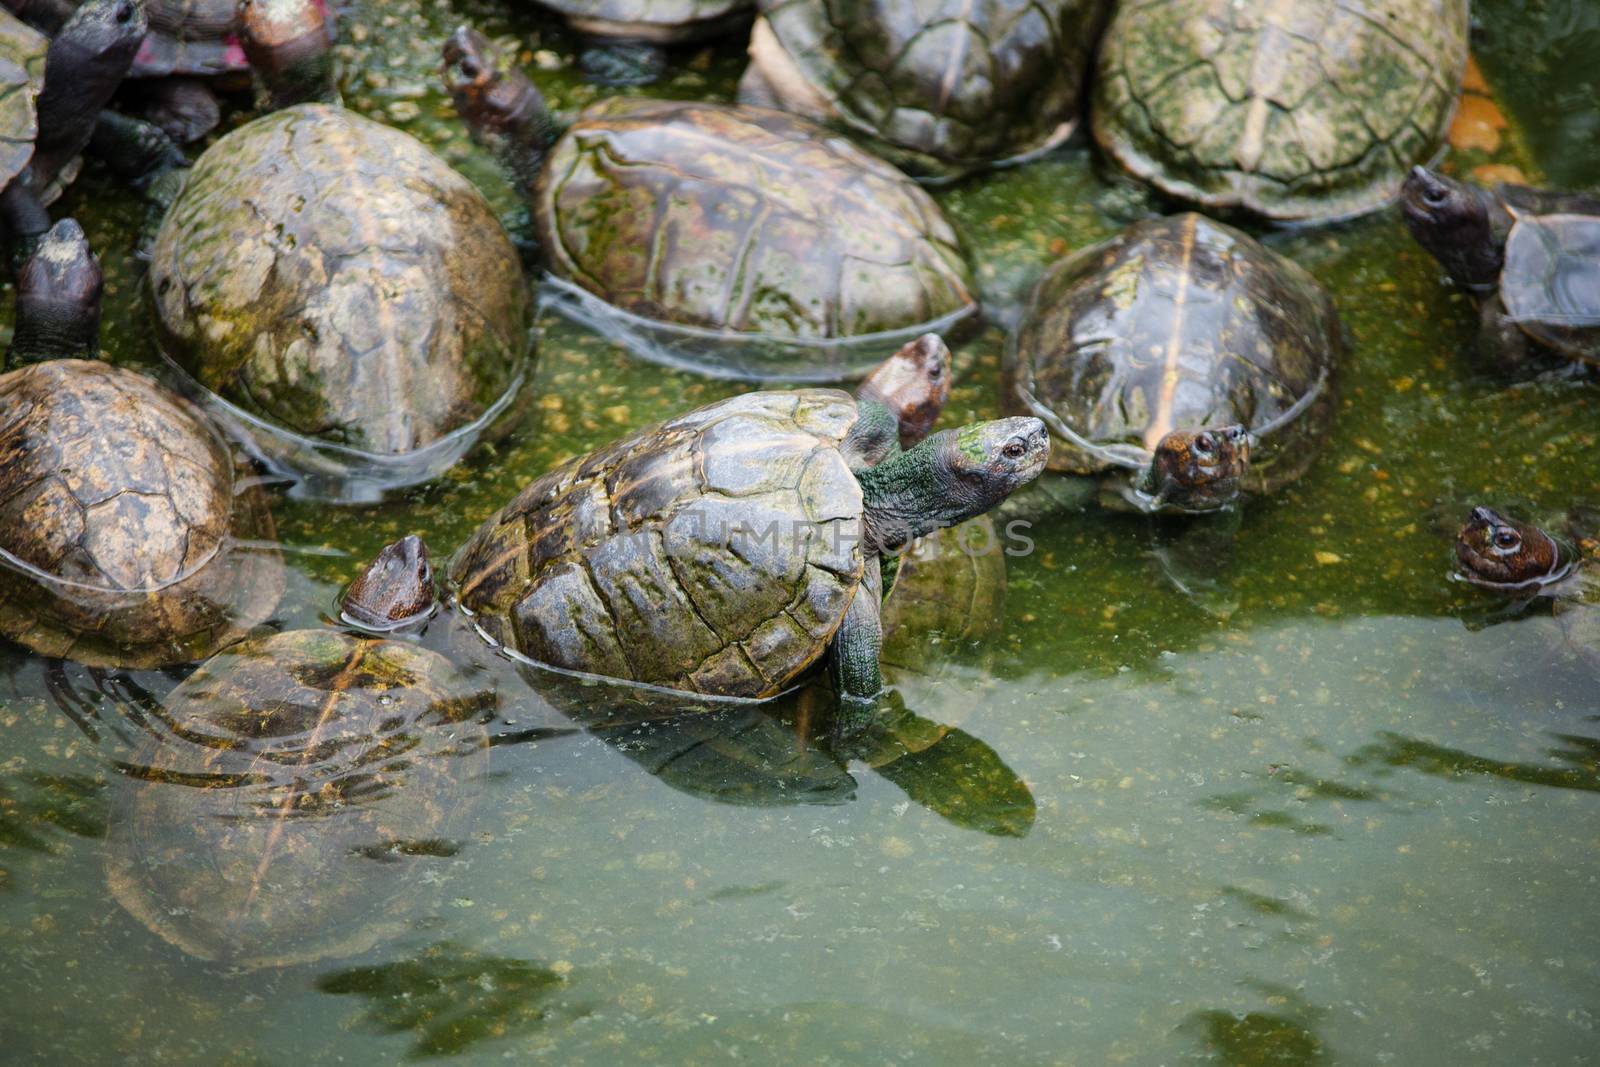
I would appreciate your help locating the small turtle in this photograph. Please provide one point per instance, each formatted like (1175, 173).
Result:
(1185, 352)
(625, 41)
(722, 224)
(346, 291)
(304, 778)
(129, 535)
(1521, 561)
(51, 92)
(1296, 109)
(941, 89)
(1531, 255)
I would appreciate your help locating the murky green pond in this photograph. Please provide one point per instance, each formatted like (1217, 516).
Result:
(1318, 813)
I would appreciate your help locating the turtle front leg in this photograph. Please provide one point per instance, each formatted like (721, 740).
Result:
(24, 219)
(622, 62)
(1502, 346)
(855, 650)
(141, 154)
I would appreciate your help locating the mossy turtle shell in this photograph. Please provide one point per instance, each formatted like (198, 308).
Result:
(1550, 282)
(121, 517)
(745, 220)
(663, 21)
(1178, 323)
(333, 277)
(307, 773)
(943, 87)
(22, 52)
(715, 553)
(1290, 109)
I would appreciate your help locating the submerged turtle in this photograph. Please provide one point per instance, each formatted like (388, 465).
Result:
(1299, 109)
(305, 777)
(723, 224)
(51, 92)
(1519, 560)
(941, 89)
(1183, 351)
(626, 40)
(121, 511)
(1532, 256)
(339, 284)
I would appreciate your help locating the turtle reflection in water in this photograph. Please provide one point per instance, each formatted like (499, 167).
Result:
(306, 776)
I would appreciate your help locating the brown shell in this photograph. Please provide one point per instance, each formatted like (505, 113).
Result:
(121, 514)
(22, 51)
(192, 37)
(307, 776)
(715, 553)
(663, 21)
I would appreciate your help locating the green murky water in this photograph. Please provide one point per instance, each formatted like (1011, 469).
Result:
(1319, 819)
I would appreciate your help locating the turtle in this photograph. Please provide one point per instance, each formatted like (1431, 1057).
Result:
(941, 89)
(775, 248)
(344, 293)
(1183, 351)
(1291, 110)
(626, 41)
(302, 780)
(130, 536)
(1532, 256)
(1519, 560)
(51, 91)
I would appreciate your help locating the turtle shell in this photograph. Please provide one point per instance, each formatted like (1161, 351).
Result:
(1550, 283)
(1290, 109)
(715, 553)
(943, 87)
(1178, 323)
(22, 52)
(744, 220)
(121, 518)
(333, 277)
(305, 778)
(662, 21)
(192, 37)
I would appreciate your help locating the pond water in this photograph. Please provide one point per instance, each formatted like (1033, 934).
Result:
(1317, 813)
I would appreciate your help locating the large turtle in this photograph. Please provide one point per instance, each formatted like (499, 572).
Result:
(1294, 109)
(776, 249)
(1184, 352)
(51, 92)
(353, 300)
(1531, 255)
(129, 534)
(942, 88)
(303, 779)
(626, 40)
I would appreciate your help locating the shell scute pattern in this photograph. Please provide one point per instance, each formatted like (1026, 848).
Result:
(714, 553)
(1551, 280)
(22, 52)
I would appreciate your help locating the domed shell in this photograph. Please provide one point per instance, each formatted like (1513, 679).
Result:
(1294, 109)
(128, 535)
(333, 277)
(22, 51)
(1550, 283)
(1178, 323)
(715, 553)
(943, 87)
(744, 220)
(307, 776)
(663, 21)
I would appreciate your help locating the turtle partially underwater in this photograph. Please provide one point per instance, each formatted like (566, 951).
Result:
(1519, 560)
(1531, 255)
(302, 779)
(626, 40)
(1181, 362)
(773, 247)
(130, 535)
(352, 299)
(1296, 109)
(940, 89)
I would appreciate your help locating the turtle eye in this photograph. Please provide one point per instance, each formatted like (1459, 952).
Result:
(1506, 539)
(469, 68)
(1435, 197)
(1015, 450)
(1204, 445)
(124, 12)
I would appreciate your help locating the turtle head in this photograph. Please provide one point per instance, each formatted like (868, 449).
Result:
(86, 62)
(58, 299)
(1506, 555)
(396, 590)
(106, 32)
(290, 47)
(913, 384)
(1199, 470)
(1453, 221)
(502, 108)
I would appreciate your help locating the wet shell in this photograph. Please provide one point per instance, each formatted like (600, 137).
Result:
(332, 276)
(193, 37)
(1550, 282)
(662, 21)
(121, 515)
(715, 553)
(22, 51)
(1290, 109)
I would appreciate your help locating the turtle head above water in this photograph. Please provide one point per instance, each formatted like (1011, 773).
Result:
(290, 46)
(1199, 470)
(110, 30)
(395, 590)
(1507, 555)
(498, 103)
(913, 384)
(1453, 221)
